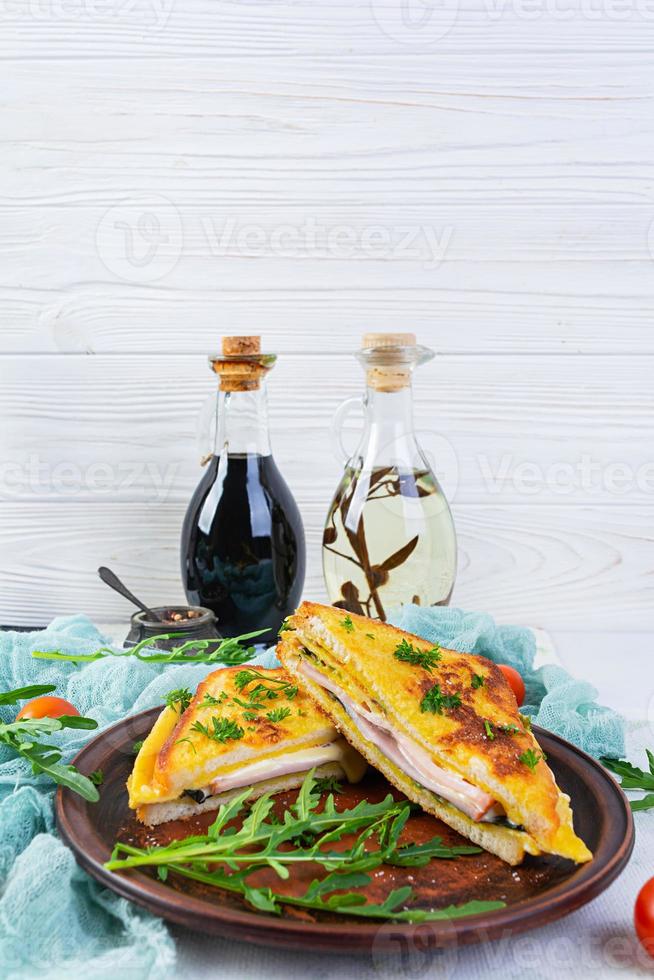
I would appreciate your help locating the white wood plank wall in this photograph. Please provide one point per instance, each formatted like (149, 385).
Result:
(478, 172)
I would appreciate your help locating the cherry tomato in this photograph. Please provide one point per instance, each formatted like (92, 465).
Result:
(644, 916)
(515, 682)
(47, 707)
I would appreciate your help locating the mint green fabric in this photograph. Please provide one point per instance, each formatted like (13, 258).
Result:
(553, 699)
(55, 921)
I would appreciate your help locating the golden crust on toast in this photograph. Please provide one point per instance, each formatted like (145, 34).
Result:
(177, 755)
(484, 739)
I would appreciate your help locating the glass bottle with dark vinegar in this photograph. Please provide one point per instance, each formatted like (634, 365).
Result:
(243, 550)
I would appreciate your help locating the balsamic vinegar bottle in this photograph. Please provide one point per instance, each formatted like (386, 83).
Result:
(243, 550)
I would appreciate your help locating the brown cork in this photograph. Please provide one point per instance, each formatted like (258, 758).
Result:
(388, 367)
(388, 340)
(235, 346)
(242, 365)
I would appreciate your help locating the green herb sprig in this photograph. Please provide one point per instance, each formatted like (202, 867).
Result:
(436, 702)
(180, 696)
(419, 658)
(23, 737)
(634, 778)
(278, 714)
(229, 652)
(219, 729)
(303, 836)
(531, 758)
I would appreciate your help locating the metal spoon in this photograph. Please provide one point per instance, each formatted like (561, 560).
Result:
(111, 579)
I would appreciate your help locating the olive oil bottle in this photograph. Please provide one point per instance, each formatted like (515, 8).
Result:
(389, 536)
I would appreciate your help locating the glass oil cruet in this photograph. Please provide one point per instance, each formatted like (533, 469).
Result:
(389, 537)
(243, 548)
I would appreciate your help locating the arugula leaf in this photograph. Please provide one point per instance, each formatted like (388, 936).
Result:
(24, 693)
(226, 856)
(22, 736)
(644, 803)
(634, 778)
(229, 651)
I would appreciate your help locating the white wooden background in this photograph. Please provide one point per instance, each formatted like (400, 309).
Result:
(479, 174)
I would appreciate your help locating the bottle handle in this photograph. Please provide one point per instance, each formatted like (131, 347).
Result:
(338, 421)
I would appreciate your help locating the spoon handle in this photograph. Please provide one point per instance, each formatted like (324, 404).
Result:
(111, 579)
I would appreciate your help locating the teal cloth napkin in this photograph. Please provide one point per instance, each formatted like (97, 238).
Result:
(55, 921)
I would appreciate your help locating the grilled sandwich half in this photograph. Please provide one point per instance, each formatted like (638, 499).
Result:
(443, 727)
(246, 726)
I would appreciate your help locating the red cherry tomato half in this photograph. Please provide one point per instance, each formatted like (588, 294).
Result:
(644, 916)
(515, 682)
(47, 707)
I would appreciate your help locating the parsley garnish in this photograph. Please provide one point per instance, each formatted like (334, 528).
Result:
(419, 658)
(328, 784)
(531, 758)
(250, 716)
(478, 680)
(136, 748)
(435, 701)
(347, 624)
(267, 688)
(223, 729)
(279, 714)
(180, 696)
(209, 701)
(489, 729)
(97, 777)
(508, 729)
(371, 636)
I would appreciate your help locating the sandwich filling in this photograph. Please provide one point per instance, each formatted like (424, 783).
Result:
(408, 756)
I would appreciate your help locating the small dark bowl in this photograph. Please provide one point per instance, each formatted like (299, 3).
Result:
(202, 627)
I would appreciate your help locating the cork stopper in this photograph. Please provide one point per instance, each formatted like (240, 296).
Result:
(239, 346)
(388, 340)
(388, 362)
(241, 365)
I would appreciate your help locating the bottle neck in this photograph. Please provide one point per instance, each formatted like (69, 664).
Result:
(389, 436)
(242, 423)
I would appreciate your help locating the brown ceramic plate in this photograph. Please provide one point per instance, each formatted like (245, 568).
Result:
(539, 891)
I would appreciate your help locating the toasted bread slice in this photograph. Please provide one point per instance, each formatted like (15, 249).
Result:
(245, 727)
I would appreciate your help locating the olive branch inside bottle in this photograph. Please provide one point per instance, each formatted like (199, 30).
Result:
(389, 536)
